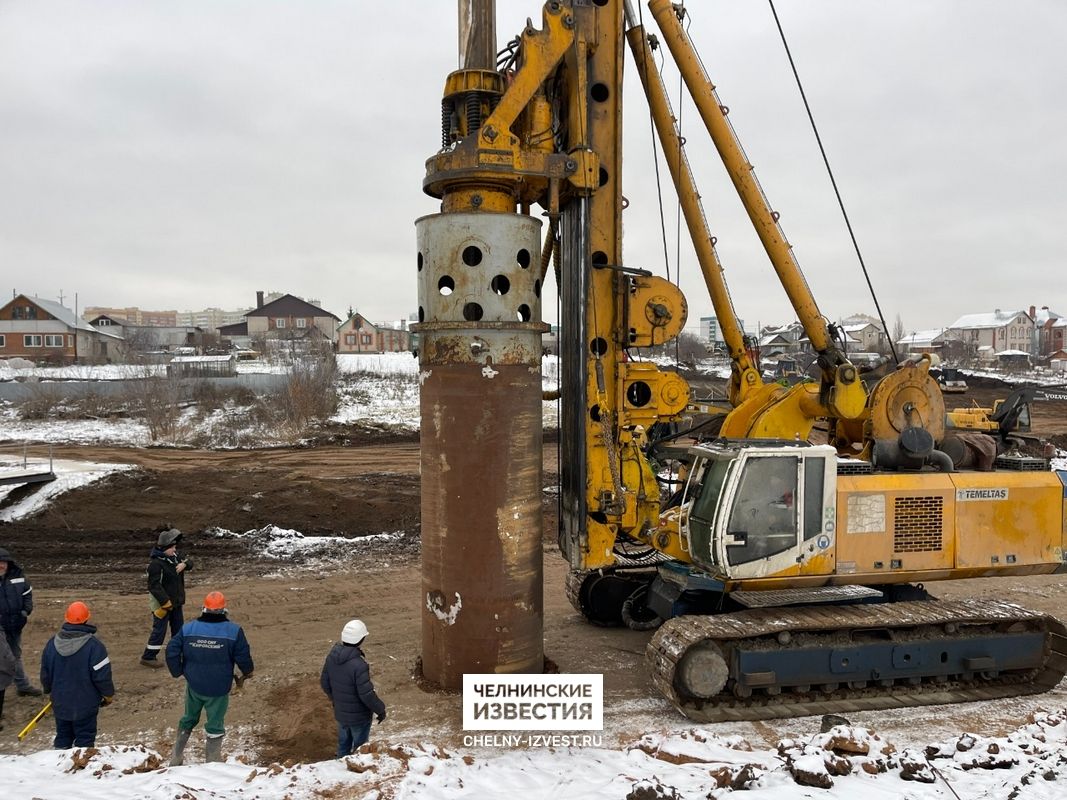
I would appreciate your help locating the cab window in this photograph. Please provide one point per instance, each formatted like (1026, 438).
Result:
(814, 476)
(763, 521)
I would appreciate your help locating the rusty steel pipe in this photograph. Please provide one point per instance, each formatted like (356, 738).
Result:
(480, 401)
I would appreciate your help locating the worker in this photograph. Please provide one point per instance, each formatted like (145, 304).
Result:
(16, 605)
(346, 681)
(7, 674)
(76, 672)
(206, 651)
(166, 587)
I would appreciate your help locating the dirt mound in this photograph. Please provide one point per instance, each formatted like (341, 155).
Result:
(303, 729)
(101, 535)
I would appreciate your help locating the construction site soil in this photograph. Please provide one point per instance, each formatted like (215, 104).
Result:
(93, 543)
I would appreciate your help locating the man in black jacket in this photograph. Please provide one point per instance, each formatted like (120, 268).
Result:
(166, 584)
(16, 605)
(346, 681)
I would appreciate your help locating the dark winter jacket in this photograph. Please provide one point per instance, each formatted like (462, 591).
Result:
(206, 650)
(346, 681)
(76, 672)
(164, 581)
(16, 596)
(7, 665)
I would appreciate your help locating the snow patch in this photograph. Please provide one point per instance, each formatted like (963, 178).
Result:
(69, 475)
(1028, 764)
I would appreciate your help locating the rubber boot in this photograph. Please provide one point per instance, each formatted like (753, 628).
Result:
(179, 746)
(213, 748)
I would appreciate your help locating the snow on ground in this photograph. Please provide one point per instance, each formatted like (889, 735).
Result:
(376, 389)
(383, 390)
(69, 475)
(844, 762)
(118, 432)
(81, 372)
(293, 552)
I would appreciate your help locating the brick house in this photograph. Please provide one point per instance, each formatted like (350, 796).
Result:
(289, 319)
(357, 334)
(44, 330)
(1051, 328)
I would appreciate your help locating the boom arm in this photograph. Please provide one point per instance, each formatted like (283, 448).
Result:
(845, 396)
(745, 378)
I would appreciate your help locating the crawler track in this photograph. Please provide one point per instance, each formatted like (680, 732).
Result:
(794, 632)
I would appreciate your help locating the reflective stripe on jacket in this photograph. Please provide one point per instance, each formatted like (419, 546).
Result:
(16, 596)
(76, 672)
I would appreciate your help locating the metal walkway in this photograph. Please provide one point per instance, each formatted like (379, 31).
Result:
(15, 474)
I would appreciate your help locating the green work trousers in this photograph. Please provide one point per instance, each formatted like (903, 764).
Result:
(214, 706)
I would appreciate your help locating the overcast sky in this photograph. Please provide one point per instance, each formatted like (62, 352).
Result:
(183, 155)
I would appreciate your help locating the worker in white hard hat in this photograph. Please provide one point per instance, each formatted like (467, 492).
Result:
(346, 681)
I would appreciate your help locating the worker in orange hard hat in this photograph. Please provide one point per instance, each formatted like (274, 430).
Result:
(206, 651)
(76, 672)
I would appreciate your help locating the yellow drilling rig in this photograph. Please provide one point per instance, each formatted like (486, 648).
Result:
(785, 577)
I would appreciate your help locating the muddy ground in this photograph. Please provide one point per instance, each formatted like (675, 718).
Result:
(92, 544)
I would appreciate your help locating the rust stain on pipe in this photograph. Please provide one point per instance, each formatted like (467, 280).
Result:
(481, 598)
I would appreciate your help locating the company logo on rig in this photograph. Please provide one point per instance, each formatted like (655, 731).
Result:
(963, 495)
(533, 702)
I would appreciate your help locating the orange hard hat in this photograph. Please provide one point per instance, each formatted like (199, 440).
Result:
(215, 601)
(77, 613)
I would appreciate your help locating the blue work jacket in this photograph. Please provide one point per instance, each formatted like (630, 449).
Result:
(76, 672)
(206, 650)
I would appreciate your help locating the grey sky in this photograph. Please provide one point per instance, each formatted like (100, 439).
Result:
(183, 155)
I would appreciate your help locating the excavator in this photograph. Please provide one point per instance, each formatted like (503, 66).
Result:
(785, 573)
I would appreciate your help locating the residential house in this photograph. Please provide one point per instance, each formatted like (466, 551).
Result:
(930, 341)
(1058, 335)
(357, 334)
(783, 339)
(1050, 328)
(151, 338)
(44, 330)
(869, 335)
(290, 319)
(995, 332)
(1057, 362)
(235, 335)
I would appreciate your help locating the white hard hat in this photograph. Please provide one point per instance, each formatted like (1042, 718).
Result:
(353, 632)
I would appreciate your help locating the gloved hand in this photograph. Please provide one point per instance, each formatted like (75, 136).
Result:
(239, 680)
(107, 700)
(188, 561)
(161, 612)
(381, 718)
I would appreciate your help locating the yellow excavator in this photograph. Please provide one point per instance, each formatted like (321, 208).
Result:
(783, 577)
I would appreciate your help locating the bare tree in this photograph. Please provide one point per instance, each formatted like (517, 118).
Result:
(157, 400)
(139, 341)
(898, 329)
(310, 393)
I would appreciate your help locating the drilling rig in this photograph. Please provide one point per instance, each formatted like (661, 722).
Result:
(786, 577)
